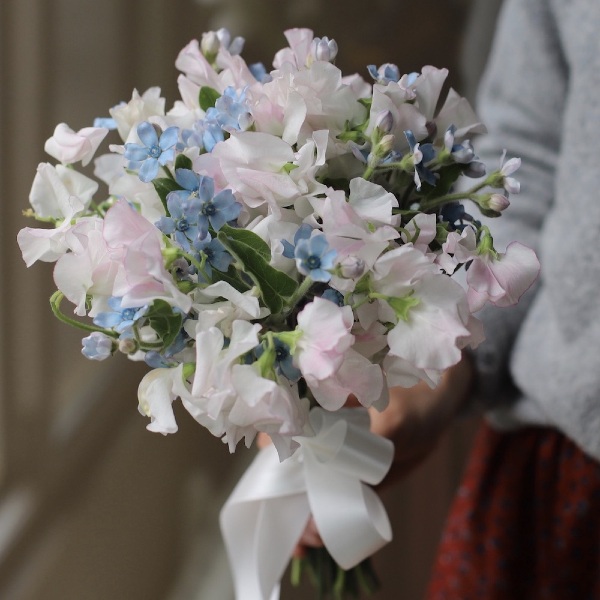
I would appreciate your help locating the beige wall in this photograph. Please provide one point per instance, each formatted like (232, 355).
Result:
(91, 504)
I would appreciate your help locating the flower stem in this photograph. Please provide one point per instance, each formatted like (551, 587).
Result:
(55, 301)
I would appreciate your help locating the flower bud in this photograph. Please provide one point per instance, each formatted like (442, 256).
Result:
(494, 202)
(210, 44)
(323, 49)
(352, 267)
(128, 346)
(384, 121)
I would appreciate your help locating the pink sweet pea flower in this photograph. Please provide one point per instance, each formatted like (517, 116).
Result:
(141, 276)
(357, 375)
(70, 147)
(501, 280)
(325, 338)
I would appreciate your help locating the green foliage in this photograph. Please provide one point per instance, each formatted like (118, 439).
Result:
(164, 186)
(253, 255)
(207, 97)
(165, 321)
(183, 162)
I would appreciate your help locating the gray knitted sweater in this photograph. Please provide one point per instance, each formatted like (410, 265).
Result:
(540, 98)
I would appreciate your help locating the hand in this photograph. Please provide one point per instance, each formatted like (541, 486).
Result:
(416, 417)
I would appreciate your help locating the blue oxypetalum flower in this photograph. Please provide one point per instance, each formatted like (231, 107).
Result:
(333, 296)
(206, 134)
(153, 151)
(303, 233)
(231, 111)
(284, 364)
(97, 346)
(385, 74)
(216, 210)
(216, 255)
(314, 258)
(425, 154)
(107, 122)
(259, 72)
(120, 319)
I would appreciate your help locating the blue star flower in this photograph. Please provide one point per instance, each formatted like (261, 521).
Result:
(426, 153)
(216, 255)
(303, 233)
(120, 319)
(217, 210)
(206, 134)
(284, 364)
(154, 152)
(385, 74)
(231, 111)
(314, 258)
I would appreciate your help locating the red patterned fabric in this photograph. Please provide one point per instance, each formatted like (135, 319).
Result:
(525, 523)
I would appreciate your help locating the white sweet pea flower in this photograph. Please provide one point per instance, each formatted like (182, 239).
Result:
(138, 109)
(90, 268)
(433, 332)
(372, 202)
(213, 395)
(69, 146)
(266, 406)
(54, 185)
(48, 245)
(156, 393)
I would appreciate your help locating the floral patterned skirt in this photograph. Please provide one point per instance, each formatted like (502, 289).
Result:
(525, 523)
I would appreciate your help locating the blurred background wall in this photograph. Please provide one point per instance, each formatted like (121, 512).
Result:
(92, 506)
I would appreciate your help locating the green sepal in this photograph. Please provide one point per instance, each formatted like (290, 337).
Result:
(164, 186)
(207, 97)
(165, 321)
(183, 162)
(253, 255)
(402, 306)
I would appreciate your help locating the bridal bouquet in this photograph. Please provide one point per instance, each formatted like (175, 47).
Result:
(275, 242)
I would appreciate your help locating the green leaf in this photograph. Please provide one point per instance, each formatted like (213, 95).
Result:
(252, 255)
(165, 321)
(207, 97)
(447, 177)
(164, 186)
(183, 162)
(232, 278)
(249, 238)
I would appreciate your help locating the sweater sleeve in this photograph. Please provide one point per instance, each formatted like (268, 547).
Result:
(521, 101)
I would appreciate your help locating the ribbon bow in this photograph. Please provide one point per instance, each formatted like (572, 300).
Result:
(266, 513)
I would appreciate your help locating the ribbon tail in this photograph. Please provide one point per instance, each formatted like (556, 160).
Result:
(261, 523)
(349, 515)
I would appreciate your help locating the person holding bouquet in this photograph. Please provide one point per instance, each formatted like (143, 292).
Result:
(526, 519)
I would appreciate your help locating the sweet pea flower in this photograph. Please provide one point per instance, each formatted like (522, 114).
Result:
(357, 375)
(503, 278)
(324, 337)
(48, 245)
(141, 275)
(156, 393)
(267, 406)
(70, 147)
(140, 108)
(54, 185)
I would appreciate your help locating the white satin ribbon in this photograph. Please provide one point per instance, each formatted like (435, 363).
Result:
(266, 513)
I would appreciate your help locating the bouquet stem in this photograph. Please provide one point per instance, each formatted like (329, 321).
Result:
(330, 580)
